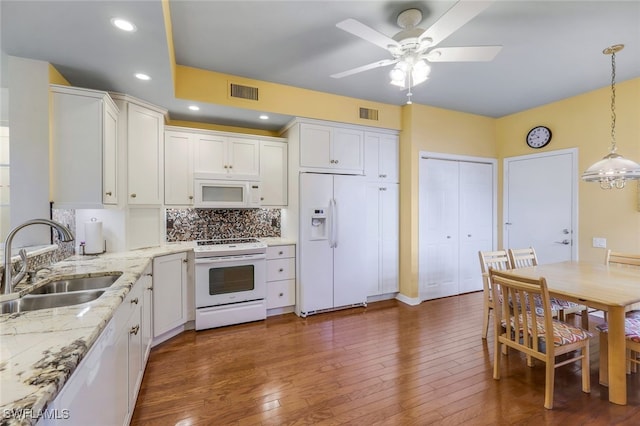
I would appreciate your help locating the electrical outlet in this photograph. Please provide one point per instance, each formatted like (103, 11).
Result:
(599, 242)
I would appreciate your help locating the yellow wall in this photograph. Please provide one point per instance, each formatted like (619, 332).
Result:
(584, 122)
(56, 78)
(426, 128)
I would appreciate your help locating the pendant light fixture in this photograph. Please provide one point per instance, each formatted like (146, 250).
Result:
(613, 170)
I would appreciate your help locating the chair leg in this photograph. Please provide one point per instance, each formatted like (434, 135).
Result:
(604, 359)
(586, 375)
(549, 383)
(485, 321)
(496, 356)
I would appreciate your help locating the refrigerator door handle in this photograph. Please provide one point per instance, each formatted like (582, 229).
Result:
(334, 222)
(331, 219)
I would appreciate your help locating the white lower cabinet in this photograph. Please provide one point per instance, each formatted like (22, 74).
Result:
(104, 387)
(169, 292)
(281, 276)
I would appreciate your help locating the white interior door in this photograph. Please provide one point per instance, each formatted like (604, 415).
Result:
(540, 204)
(438, 229)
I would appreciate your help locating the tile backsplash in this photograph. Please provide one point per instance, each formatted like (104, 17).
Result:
(205, 224)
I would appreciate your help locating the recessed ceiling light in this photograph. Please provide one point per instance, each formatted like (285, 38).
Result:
(194, 107)
(264, 117)
(123, 24)
(142, 76)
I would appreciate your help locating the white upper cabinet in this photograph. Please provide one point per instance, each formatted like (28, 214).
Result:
(334, 149)
(273, 173)
(178, 168)
(227, 157)
(381, 157)
(84, 148)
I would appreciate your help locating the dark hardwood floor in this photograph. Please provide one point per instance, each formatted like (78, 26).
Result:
(388, 364)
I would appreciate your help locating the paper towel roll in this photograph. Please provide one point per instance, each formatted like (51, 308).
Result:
(93, 241)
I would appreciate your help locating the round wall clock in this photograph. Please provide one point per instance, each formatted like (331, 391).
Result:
(538, 137)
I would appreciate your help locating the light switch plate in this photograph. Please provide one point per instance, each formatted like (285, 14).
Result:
(599, 242)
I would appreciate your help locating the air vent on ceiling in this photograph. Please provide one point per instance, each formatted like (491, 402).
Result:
(243, 92)
(369, 114)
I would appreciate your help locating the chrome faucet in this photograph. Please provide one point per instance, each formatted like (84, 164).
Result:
(64, 234)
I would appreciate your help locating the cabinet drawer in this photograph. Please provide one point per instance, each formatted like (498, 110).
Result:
(281, 293)
(281, 269)
(278, 252)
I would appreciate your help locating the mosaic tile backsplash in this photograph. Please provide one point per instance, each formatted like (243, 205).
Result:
(206, 224)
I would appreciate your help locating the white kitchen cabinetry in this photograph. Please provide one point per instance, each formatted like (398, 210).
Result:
(382, 245)
(331, 149)
(178, 168)
(105, 384)
(381, 157)
(456, 221)
(169, 293)
(84, 148)
(273, 173)
(281, 278)
(226, 157)
(141, 130)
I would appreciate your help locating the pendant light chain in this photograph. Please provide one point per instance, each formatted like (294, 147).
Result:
(613, 101)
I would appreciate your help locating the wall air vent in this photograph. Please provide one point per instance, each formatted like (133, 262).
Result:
(369, 114)
(243, 92)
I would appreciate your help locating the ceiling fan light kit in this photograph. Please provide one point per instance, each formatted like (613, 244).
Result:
(410, 48)
(613, 170)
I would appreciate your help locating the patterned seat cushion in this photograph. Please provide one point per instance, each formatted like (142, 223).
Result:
(565, 304)
(631, 329)
(633, 314)
(563, 333)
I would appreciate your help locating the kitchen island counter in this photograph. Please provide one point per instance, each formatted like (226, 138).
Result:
(41, 349)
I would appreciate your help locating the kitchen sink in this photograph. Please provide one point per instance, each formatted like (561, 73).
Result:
(77, 284)
(44, 301)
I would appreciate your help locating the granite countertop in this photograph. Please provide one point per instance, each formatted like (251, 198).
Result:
(39, 350)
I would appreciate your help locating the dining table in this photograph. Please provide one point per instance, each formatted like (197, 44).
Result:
(611, 288)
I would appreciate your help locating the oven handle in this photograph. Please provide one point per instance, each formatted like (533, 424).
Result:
(222, 259)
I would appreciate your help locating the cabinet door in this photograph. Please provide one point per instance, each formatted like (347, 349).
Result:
(244, 157)
(273, 173)
(178, 168)
(169, 292)
(110, 155)
(135, 353)
(372, 242)
(347, 149)
(146, 329)
(145, 159)
(210, 154)
(389, 238)
(388, 158)
(315, 146)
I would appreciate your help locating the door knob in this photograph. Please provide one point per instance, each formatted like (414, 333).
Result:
(563, 242)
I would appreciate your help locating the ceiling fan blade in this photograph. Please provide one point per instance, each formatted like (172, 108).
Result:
(463, 54)
(461, 13)
(359, 29)
(367, 67)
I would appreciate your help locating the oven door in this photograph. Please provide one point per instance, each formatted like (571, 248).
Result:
(230, 279)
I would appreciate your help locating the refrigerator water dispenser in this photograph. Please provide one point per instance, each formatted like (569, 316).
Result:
(318, 224)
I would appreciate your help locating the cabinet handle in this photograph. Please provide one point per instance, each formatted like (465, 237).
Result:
(134, 330)
(261, 198)
(230, 166)
(184, 260)
(108, 193)
(382, 176)
(191, 197)
(150, 288)
(280, 253)
(133, 195)
(134, 300)
(336, 161)
(280, 294)
(281, 270)
(448, 237)
(226, 167)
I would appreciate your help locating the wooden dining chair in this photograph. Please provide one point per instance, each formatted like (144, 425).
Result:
(538, 337)
(522, 258)
(632, 335)
(625, 260)
(490, 259)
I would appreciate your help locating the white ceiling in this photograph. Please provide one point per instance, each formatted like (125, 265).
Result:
(551, 49)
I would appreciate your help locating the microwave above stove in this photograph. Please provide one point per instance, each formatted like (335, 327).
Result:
(226, 194)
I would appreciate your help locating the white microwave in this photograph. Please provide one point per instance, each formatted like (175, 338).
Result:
(225, 194)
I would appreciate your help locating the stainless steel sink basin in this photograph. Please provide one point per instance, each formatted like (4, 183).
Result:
(77, 284)
(44, 301)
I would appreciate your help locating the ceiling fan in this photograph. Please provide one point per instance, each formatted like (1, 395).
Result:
(413, 47)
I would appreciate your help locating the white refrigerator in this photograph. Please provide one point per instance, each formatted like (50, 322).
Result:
(332, 237)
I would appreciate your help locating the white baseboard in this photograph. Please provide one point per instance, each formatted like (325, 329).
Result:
(279, 311)
(412, 301)
(380, 297)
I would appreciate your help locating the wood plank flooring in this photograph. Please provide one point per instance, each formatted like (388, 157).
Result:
(389, 364)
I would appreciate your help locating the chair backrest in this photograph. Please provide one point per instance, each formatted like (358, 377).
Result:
(498, 260)
(521, 258)
(514, 320)
(617, 258)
